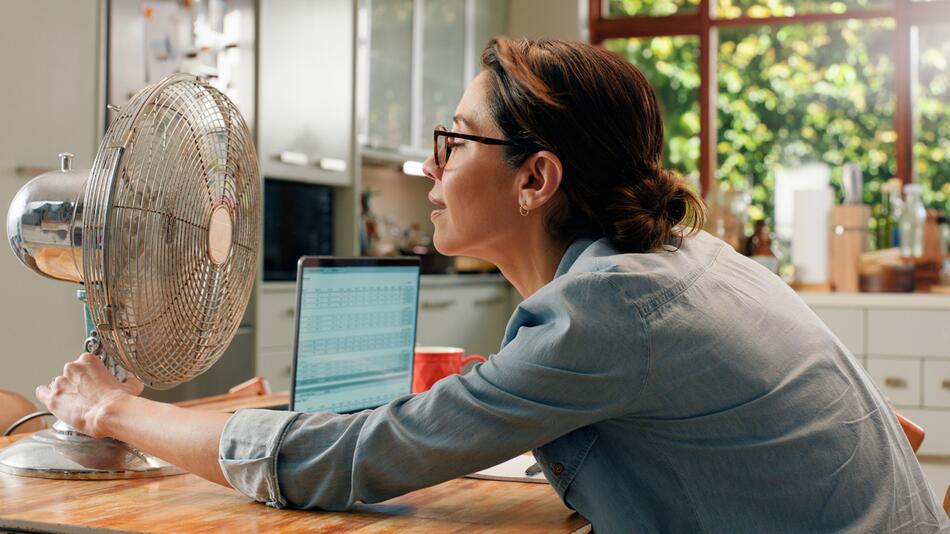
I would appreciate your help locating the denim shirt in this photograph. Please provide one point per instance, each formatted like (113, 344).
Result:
(681, 391)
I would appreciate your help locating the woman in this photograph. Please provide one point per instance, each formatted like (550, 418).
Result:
(664, 381)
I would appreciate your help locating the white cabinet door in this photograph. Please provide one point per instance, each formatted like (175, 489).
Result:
(305, 87)
(847, 324)
(276, 319)
(275, 366)
(898, 332)
(275, 335)
(51, 94)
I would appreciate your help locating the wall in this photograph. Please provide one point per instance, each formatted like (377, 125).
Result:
(53, 102)
(545, 18)
(402, 198)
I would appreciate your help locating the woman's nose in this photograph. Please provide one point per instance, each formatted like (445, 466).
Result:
(430, 169)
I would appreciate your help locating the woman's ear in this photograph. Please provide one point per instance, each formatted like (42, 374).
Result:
(539, 180)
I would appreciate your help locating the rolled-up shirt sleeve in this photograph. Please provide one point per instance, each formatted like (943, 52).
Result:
(248, 452)
(561, 368)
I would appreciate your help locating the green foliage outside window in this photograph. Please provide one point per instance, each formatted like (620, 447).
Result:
(797, 93)
(932, 123)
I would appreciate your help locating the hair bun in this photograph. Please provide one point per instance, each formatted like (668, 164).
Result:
(643, 214)
(674, 201)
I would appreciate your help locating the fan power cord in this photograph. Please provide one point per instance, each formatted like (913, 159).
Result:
(24, 419)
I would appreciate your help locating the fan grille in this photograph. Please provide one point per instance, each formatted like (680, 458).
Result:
(165, 305)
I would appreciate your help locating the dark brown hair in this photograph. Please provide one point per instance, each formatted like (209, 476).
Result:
(598, 113)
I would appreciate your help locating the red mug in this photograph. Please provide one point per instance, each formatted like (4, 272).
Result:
(432, 364)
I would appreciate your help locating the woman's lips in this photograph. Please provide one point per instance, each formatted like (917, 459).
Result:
(436, 213)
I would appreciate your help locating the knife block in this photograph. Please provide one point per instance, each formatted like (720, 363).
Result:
(849, 237)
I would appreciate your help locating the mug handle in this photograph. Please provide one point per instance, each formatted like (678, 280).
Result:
(472, 358)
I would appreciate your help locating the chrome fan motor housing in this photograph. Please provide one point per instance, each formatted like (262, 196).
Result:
(44, 222)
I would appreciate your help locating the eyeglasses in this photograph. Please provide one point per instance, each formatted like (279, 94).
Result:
(443, 142)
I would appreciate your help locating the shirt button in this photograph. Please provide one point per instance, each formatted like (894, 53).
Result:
(557, 469)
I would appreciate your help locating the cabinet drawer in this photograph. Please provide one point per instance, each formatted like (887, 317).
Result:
(937, 384)
(276, 319)
(274, 365)
(908, 332)
(847, 324)
(898, 379)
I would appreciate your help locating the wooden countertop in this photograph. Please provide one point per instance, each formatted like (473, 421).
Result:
(187, 503)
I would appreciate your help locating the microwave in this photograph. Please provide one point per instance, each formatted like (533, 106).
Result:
(298, 221)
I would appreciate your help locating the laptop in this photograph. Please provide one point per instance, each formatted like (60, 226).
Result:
(354, 332)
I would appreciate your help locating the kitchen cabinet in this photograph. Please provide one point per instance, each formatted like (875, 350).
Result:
(443, 66)
(389, 80)
(305, 90)
(419, 56)
(275, 337)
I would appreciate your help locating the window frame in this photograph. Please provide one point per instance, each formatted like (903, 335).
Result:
(703, 23)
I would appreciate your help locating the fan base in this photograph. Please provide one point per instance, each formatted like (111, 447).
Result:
(63, 453)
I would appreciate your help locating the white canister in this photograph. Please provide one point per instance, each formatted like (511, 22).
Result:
(810, 234)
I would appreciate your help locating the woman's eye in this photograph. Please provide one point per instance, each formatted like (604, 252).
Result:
(453, 144)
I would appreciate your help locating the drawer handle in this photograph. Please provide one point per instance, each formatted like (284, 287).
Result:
(489, 301)
(896, 383)
(289, 312)
(945, 384)
(435, 304)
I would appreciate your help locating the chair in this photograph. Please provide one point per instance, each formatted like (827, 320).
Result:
(915, 434)
(13, 406)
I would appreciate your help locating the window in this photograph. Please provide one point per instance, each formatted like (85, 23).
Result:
(670, 63)
(789, 8)
(932, 119)
(619, 8)
(794, 94)
(863, 81)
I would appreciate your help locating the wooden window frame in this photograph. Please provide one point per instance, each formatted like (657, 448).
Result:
(703, 23)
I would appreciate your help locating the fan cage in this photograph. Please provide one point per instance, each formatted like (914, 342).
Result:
(161, 304)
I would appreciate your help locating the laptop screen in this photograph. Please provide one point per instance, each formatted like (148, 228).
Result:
(355, 332)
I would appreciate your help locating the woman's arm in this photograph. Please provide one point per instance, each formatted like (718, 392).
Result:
(88, 398)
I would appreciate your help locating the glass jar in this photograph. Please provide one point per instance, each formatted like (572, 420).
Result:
(912, 218)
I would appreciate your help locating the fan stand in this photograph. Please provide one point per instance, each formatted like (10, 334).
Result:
(63, 453)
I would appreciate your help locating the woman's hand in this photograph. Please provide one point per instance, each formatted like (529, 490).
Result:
(82, 395)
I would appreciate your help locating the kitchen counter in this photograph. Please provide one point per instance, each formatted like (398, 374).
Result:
(442, 280)
(929, 301)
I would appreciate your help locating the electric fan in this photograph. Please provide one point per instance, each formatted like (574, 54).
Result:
(163, 233)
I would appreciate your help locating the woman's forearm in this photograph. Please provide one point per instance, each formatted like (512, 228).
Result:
(188, 438)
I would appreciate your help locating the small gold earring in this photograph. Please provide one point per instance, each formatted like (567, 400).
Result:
(523, 210)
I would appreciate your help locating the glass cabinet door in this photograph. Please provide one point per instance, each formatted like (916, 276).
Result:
(443, 65)
(390, 74)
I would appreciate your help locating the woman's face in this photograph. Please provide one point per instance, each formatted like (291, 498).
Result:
(475, 192)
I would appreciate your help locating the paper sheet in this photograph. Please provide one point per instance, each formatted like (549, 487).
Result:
(511, 470)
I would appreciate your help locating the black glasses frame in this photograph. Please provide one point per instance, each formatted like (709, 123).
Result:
(442, 157)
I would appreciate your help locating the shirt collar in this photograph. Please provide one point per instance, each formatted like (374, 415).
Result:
(571, 254)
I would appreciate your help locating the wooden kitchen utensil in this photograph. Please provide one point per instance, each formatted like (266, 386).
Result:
(849, 237)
